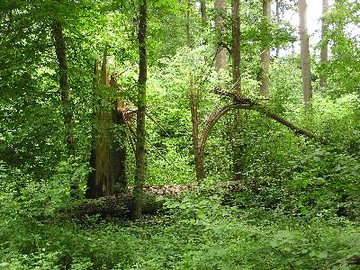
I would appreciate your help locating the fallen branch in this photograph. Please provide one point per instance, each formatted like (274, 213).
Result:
(250, 104)
(296, 129)
(245, 103)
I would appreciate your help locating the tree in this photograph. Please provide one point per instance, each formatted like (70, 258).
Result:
(344, 47)
(26, 41)
(235, 48)
(221, 56)
(265, 52)
(141, 111)
(60, 48)
(277, 15)
(236, 80)
(305, 53)
(187, 24)
(203, 10)
(108, 153)
(194, 108)
(324, 42)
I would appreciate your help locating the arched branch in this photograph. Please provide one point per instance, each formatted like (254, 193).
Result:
(254, 105)
(212, 120)
(220, 112)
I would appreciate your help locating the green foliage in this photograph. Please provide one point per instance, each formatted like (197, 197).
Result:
(298, 177)
(297, 206)
(343, 68)
(201, 234)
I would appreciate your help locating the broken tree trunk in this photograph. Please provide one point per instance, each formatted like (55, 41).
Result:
(108, 154)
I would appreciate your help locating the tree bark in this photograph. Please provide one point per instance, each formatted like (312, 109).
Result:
(324, 45)
(305, 54)
(61, 54)
(236, 79)
(194, 108)
(235, 48)
(108, 154)
(277, 14)
(118, 151)
(187, 24)
(140, 123)
(203, 11)
(221, 55)
(265, 52)
(100, 181)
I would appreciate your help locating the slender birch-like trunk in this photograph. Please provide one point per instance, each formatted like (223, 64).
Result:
(324, 46)
(265, 53)
(305, 53)
(221, 55)
(141, 112)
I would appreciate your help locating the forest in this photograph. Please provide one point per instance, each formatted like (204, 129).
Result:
(179, 134)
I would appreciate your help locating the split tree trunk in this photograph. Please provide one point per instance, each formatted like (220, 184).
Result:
(61, 54)
(305, 54)
(108, 154)
(141, 112)
(118, 151)
(265, 52)
(324, 45)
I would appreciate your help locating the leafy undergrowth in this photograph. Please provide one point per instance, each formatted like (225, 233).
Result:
(198, 232)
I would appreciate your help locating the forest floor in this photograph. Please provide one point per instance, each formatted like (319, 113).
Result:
(197, 229)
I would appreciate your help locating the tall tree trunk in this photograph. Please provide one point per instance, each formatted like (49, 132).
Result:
(305, 54)
(140, 127)
(187, 24)
(236, 77)
(277, 15)
(61, 54)
(221, 55)
(194, 108)
(324, 45)
(203, 11)
(235, 48)
(265, 52)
